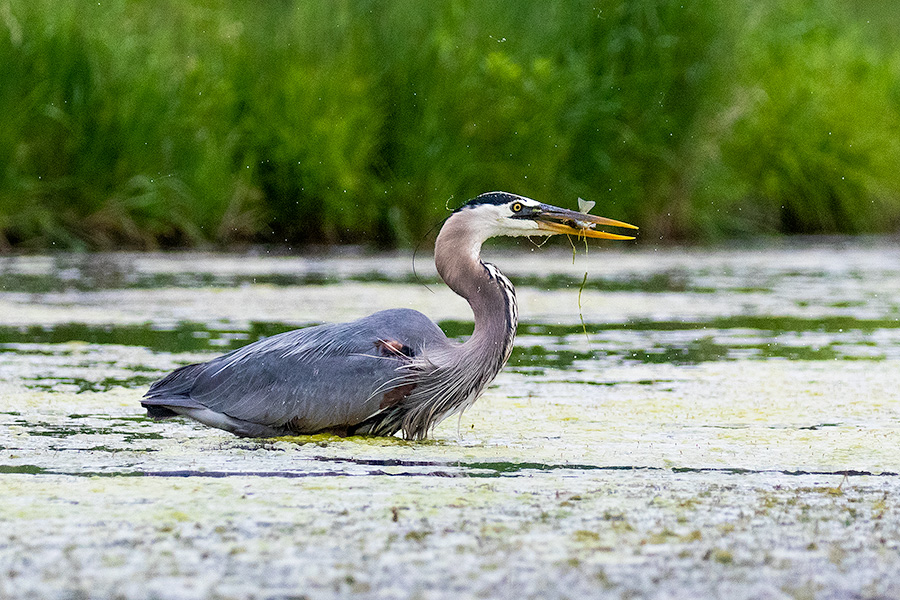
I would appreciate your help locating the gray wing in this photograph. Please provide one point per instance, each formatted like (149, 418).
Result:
(307, 380)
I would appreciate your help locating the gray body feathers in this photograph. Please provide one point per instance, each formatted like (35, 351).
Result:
(324, 378)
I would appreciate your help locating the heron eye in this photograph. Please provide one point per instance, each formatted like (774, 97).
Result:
(517, 207)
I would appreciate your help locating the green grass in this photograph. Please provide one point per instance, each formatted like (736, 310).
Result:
(130, 124)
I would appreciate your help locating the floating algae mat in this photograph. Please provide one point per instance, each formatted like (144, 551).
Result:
(727, 422)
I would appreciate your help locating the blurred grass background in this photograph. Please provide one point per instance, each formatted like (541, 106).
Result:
(129, 124)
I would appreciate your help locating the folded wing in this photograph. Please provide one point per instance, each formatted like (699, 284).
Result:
(325, 377)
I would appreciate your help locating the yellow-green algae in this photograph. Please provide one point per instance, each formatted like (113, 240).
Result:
(740, 475)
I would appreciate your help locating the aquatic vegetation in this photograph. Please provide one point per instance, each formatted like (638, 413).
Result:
(177, 124)
(679, 448)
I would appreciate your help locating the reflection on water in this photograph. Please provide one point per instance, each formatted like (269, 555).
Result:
(722, 412)
(858, 320)
(692, 335)
(540, 349)
(86, 273)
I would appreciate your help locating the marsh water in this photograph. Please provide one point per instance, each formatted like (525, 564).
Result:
(673, 422)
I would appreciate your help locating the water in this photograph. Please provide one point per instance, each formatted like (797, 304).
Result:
(725, 422)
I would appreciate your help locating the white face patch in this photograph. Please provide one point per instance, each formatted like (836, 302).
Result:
(489, 220)
(524, 202)
(513, 226)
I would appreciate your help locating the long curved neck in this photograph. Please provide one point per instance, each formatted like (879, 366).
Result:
(457, 256)
(448, 378)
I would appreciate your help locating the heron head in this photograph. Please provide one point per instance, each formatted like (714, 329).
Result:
(501, 213)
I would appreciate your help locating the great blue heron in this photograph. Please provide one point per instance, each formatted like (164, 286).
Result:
(393, 370)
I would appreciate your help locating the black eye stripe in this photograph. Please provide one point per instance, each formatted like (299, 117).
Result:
(493, 198)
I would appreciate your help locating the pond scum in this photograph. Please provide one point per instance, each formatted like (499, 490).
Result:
(730, 428)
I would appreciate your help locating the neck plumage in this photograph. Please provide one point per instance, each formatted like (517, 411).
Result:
(457, 256)
(447, 379)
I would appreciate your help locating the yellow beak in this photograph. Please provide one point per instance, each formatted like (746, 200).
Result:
(561, 220)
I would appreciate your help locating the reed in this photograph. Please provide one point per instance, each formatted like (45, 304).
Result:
(129, 124)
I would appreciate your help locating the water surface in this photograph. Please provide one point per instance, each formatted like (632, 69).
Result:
(721, 420)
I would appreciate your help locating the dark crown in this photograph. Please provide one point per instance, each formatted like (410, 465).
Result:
(495, 198)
